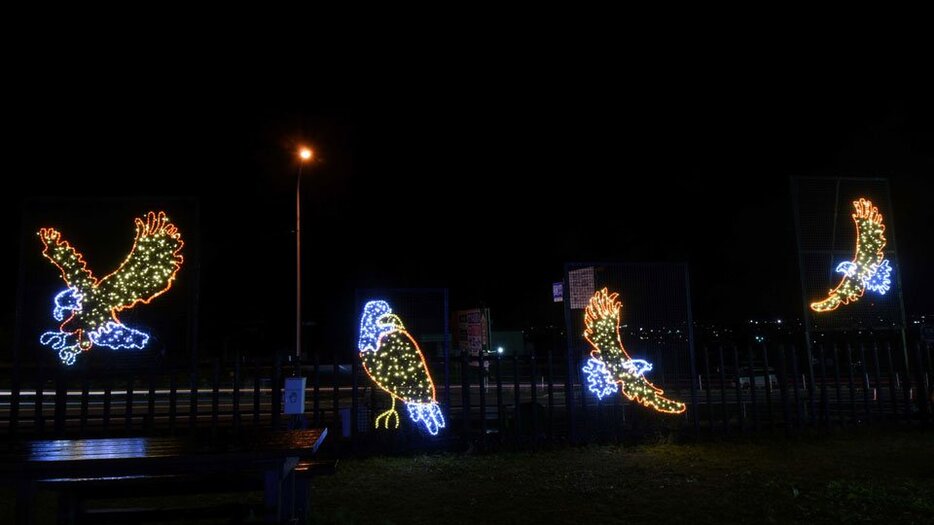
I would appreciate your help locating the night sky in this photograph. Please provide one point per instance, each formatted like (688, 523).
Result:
(485, 187)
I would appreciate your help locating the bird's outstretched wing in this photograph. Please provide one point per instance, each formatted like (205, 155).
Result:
(74, 270)
(870, 241)
(601, 322)
(150, 268)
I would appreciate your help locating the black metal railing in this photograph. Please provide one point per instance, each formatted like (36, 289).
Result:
(493, 399)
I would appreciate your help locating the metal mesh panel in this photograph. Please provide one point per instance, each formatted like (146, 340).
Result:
(103, 231)
(655, 319)
(827, 237)
(425, 315)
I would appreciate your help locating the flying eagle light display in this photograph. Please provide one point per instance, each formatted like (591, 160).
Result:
(868, 270)
(394, 362)
(610, 368)
(88, 307)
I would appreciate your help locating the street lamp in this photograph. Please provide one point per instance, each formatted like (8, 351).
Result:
(305, 155)
(295, 386)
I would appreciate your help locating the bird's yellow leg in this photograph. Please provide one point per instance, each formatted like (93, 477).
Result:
(389, 414)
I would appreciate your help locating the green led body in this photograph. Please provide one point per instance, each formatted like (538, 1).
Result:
(399, 368)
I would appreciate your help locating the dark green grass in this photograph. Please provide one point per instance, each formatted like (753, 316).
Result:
(854, 478)
(846, 478)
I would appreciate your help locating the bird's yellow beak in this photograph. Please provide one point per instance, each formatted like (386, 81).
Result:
(390, 321)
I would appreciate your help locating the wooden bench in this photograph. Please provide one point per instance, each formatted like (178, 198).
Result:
(84, 469)
(75, 493)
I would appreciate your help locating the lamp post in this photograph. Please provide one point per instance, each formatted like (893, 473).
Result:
(295, 386)
(304, 155)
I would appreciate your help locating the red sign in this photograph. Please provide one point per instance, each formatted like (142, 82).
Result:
(472, 332)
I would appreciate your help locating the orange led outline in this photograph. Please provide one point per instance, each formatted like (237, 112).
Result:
(864, 210)
(603, 304)
(421, 356)
(392, 410)
(164, 226)
(56, 236)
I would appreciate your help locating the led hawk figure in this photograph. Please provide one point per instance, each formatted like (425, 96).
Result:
(88, 307)
(610, 367)
(393, 360)
(868, 269)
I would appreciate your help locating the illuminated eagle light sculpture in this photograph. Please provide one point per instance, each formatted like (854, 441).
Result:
(610, 368)
(869, 270)
(393, 360)
(88, 307)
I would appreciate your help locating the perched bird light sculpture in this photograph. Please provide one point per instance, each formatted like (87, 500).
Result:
(88, 307)
(396, 364)
(610, 368)
(868, 269)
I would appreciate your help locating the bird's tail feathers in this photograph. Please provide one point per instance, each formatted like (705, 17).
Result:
(599, 379)
(117, 336)
(651, 396)
(881, 280)
(428, 414)
(832, 302)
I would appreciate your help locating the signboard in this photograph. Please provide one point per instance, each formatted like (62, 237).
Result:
(557, 291)
(581, 283)
(294, 399)
(473, 331)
